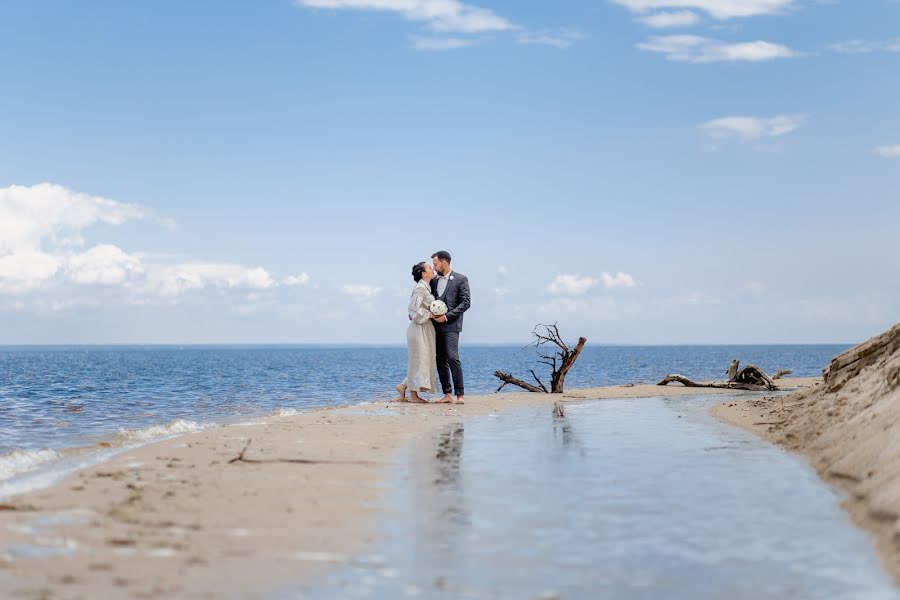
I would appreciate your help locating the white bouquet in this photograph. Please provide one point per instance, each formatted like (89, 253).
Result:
(438, 308)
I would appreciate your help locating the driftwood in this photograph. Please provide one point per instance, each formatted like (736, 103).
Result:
(507, 378)
(781, 373)
(559, 362)
(299, 461)
(750, 378)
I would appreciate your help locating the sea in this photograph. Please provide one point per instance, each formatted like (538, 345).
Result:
(56, 400)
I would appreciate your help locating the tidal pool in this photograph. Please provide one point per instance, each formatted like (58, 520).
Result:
(642, 498)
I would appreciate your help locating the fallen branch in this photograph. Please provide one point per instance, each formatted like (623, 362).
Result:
(781, 373)
(540, 383)
(559, 362)
(508, 378)
(299, 461)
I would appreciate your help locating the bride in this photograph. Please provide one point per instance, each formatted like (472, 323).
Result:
(420, 347)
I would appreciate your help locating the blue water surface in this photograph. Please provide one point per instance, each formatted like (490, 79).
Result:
(57, 397)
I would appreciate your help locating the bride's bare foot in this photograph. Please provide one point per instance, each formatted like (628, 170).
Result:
(401, 389)
(417, 399)
(447, 399)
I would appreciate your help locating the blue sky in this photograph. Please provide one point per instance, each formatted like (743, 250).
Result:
(268, 171)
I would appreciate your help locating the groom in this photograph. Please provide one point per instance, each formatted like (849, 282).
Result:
(453, 289)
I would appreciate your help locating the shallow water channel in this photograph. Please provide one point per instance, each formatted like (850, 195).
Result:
(648, 498)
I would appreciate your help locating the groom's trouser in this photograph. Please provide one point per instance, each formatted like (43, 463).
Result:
(448, 363)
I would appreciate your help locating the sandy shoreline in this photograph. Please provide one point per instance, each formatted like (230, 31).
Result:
(175, 518)
(848, 427)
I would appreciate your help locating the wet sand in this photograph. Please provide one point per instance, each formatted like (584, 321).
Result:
(178, 518)
(848, 427)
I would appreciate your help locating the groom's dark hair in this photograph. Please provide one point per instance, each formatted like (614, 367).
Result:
(442, 255)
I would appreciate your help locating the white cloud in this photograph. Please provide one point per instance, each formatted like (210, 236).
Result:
(26, 269)
(502, 271)
(572, 284)
(747, 128)
(718, 9)
(437, 44)
(103, 264)
(696, 49)
(501, 291)
(438, 15)
(562, 38)
(866, 47)
(42, 226)
(576, 285)
(361, 291)
(888, 151)
(293, 280)
(169, 281)
(619, 280)
(664, 20)
(46, 213)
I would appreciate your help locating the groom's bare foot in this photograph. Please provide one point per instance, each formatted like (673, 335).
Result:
(447, 399)
(459, 400)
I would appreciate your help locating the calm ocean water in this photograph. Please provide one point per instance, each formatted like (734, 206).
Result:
(62, 397)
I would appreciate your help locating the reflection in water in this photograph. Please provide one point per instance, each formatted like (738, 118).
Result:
(565, 435)
(621, 499)
(449, 497)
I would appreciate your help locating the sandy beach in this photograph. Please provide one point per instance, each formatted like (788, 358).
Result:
(848, 427)
(179, 518)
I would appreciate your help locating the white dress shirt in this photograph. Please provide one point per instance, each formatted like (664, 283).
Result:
(442, 283)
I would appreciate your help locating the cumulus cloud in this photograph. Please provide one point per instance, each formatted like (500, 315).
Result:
(697, 49)
(619, 280)
(42, 230)
(26, 269)
(294, 280)
(888, 151)
(746, 128)
(439, 15)
(170, 281)
(718, 9)
(46, 213)
(577, 285)
(361, 291)
(572, 284)
(103, 264)
(667, 19)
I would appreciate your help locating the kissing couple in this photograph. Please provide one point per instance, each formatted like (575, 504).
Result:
(436, 308)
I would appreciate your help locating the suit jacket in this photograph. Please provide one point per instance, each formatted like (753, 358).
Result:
(456, 297)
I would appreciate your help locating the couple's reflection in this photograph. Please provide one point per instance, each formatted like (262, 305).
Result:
(447, 480)
(438, 502)
(565, 435)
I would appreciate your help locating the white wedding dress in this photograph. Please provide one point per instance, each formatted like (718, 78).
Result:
(420, 346)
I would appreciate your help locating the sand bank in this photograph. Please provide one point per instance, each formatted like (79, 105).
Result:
(848, 426)
(176, 518)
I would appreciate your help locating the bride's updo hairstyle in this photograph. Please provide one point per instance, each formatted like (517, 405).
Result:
(417, 271)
